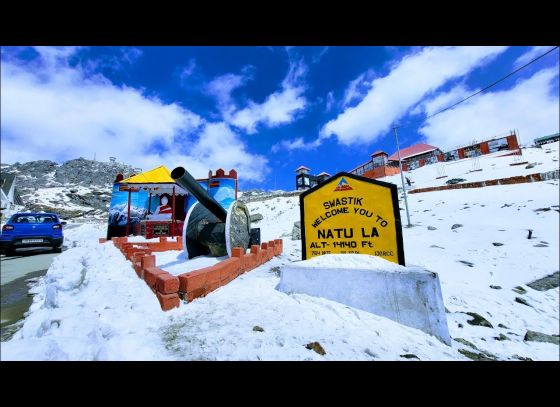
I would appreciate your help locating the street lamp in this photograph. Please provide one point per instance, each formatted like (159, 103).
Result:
(402, 177)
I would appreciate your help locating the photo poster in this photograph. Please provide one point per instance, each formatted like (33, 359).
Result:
(497, 145)
(221, 189)
(118, 210)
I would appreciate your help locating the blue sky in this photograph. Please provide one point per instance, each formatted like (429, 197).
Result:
(264, 110)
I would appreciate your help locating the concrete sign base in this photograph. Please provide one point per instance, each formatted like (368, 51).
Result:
(410, 295)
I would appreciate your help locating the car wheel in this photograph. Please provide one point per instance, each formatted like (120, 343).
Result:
(10, 252)
(57, 249)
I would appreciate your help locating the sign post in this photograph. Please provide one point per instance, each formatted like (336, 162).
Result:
(352, 214)
(129, 189)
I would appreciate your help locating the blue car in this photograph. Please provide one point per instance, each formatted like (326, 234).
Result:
(32, 230)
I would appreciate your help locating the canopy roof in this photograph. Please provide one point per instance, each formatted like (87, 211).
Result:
(159, 175)
(158, 180)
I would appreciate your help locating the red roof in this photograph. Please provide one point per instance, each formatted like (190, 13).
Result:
(324, 173)
(411, 151)
(302, 167)
(378, 152)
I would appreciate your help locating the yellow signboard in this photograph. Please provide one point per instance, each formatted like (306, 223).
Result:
(352, 214)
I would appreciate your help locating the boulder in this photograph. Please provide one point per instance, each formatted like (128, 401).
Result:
(534, 336)
(296, 231)
(256, 218)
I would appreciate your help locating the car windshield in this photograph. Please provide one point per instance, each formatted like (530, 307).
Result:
(33, 219)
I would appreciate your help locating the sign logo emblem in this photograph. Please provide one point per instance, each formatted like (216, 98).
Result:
(343, 185)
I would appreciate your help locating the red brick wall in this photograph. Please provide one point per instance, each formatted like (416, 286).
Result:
(380, 172)
(479, 184)
(512, 142)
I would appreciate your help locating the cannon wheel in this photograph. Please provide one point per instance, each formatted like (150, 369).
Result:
(238, 227)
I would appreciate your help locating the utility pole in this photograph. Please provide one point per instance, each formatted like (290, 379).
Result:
(402, 177)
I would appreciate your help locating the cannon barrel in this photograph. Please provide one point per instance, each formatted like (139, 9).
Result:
(186, 181)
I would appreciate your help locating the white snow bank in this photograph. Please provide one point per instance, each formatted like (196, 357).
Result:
(409, 295)
(220, 327)
(141, 239)
(89, 306)
(78, 235)
(354, 261)
(174, 262)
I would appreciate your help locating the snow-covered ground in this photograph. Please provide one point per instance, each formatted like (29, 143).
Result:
(91, 305)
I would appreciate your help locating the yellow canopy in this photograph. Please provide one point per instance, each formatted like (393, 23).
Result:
(159, 175)
(157, 181)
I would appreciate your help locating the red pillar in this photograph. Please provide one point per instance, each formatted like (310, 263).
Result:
(128, 217)
(173, 213)
(512, 142)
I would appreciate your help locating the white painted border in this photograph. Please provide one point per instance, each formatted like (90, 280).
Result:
(185, 225)
(228, 223)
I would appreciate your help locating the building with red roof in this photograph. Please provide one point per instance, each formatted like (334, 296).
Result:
(413, 152)
(380, 165)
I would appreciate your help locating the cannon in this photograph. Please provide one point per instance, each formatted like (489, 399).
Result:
(209, 228)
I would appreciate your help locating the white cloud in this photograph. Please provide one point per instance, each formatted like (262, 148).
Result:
(51, 110)
(52, 56)
(410, 79)
(330, 101)
(358, 88)
(222, 87)
(296, 72)
(188, 70)
(445, 99)
(530, 55)
(219, 146)
(317, 57)
(120, 59)
(281, 107)
(531, 106)
(278, 108)
(131, 54)
(296, 144)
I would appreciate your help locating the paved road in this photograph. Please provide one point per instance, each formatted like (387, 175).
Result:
(17, 272)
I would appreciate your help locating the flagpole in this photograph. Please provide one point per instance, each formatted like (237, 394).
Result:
(402, 177)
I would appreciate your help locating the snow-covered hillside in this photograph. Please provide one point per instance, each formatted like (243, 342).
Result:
(78, 188)
(92, 306)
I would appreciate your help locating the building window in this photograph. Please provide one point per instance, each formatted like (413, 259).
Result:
(472, 151)
(413, 165)
(452, 155)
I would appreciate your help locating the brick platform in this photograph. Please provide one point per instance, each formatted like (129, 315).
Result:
(169, 289)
